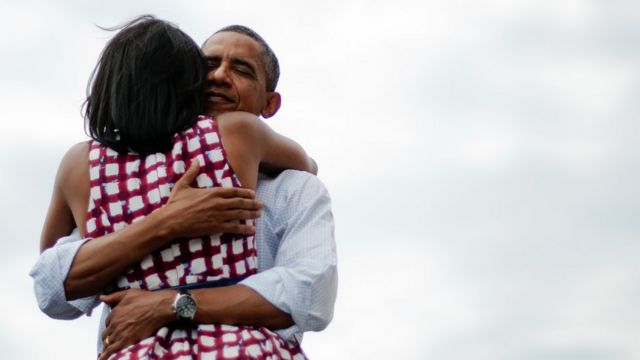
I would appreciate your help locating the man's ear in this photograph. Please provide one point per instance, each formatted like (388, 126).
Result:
(272, 106)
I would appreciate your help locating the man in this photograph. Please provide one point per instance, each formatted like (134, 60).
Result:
(295, 288)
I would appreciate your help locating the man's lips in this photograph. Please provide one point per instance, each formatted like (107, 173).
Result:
(216, 96)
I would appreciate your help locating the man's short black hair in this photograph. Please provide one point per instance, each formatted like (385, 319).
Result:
(272, 67)
(149, 84)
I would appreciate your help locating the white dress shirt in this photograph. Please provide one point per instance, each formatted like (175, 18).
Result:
(297, 262)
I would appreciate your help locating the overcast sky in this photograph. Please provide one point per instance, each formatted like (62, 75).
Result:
(482, 157)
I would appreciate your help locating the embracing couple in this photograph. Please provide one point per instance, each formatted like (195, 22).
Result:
(156, 215)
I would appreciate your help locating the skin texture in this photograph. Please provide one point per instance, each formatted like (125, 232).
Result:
(236, 82)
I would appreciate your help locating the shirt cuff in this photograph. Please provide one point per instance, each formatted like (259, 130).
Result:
(49, 274)
(270, 285)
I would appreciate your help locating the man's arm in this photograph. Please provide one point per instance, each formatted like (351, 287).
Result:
(189, 212)
(76, 268)
(297, 277)
(138, 314)
(298, 280)
(298, 262)
(295, 288)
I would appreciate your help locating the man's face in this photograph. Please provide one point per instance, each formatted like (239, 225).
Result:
(236, 78)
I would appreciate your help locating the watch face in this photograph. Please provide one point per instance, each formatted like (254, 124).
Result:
(185, 307)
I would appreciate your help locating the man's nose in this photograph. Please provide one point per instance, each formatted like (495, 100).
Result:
(218, 75)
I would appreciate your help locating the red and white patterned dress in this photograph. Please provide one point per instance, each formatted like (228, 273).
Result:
(127, 187)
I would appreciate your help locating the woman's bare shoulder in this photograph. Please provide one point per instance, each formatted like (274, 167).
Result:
(242, 128)
(239, 121)
(74, 165)
(76, 155)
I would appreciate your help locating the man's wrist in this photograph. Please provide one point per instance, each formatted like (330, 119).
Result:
(162, 226)
(184, 306)
(165, 306)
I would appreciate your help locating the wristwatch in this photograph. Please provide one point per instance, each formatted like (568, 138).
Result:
(184, 306)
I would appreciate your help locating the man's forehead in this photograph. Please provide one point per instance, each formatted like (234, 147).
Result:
(232, 43)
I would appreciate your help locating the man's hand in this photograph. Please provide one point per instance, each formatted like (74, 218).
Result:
(190, 212)
(195, 212)
(136, 315)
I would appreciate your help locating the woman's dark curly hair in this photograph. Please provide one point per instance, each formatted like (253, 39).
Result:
(149, 84)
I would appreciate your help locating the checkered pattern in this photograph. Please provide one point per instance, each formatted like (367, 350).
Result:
(127, 187)
(213, 342)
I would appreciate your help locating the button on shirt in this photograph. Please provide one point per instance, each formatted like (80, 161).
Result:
(297, 259)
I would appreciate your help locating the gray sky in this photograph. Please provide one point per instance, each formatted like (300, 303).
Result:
(482, 157)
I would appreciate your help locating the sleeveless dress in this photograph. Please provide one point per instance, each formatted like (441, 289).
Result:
(127, 187)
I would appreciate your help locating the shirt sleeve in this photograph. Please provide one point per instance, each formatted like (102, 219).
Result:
(303, 281)
(49, 274)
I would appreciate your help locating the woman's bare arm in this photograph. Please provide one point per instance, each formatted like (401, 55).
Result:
(68, 205)
(250, 143)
